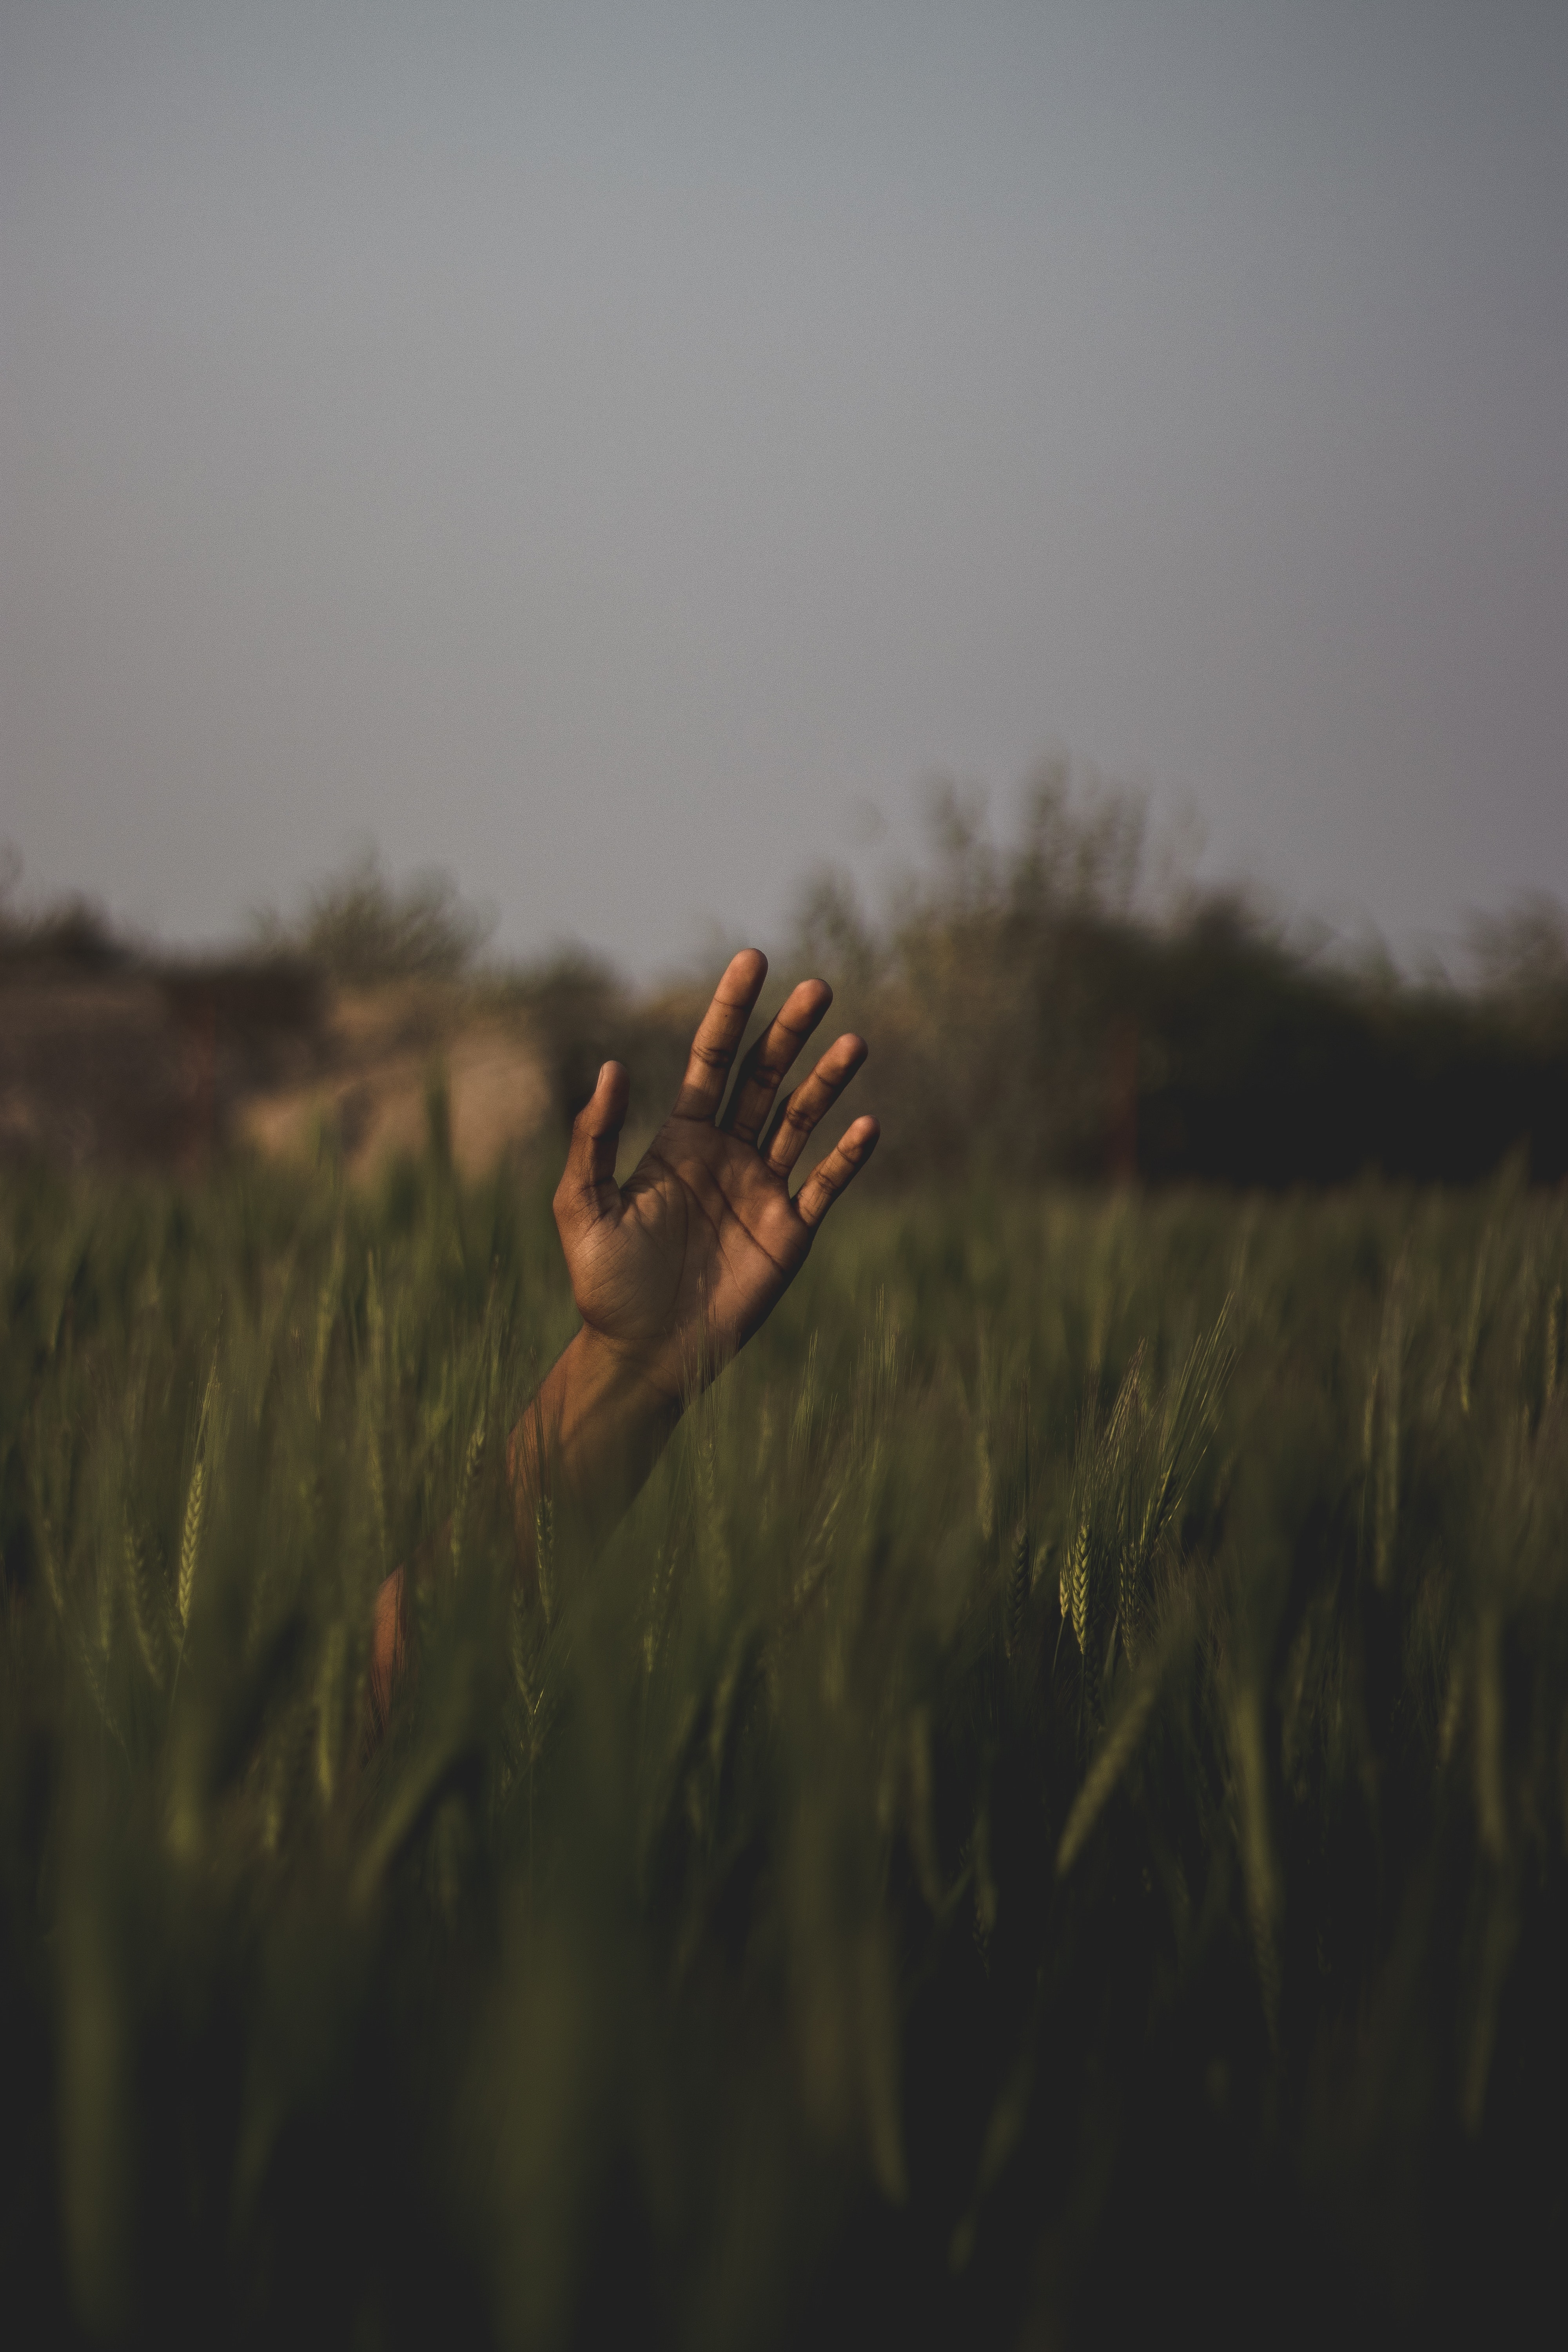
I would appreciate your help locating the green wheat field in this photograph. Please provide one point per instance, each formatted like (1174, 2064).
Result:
(1048, 1820)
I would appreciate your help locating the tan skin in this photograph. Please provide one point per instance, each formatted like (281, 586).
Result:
(674, 1270)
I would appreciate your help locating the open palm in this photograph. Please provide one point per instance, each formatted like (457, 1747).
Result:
(676, 1267)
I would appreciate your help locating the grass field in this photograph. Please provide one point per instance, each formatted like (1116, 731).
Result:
(1049, 1818)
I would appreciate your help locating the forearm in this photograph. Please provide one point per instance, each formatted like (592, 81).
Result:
(584, 1446)
(576, 1460)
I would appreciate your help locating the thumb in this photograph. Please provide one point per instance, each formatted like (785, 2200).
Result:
(587, 1191)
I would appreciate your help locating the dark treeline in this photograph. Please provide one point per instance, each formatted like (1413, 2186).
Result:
(1032, 1013)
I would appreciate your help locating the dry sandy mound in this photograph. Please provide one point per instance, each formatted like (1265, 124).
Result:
(168, 1067)
(381, 1052)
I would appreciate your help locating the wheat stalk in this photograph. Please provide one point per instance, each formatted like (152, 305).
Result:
(326, 1316)
(544, 1553)
(50, 1559)
(105, 1605)
(1453, 1706)
(329, 1707)
(377, 1497)
(1387, 1501)
(1489, 1807)
(1021, 1581)
(523, 1647)
(986, 1900)
(472, 1458)
(143, 1614)
(1473, 1323)
(921, 1818)
(985, 1500)
(804, 1414)
(1257, 1846)
(95, 1664)
(1116, 1752)
(653, 1623)
(1554, 1316)
(714, 1551)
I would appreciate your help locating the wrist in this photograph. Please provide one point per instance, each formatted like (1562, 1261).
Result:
(620, 1378)
(655, 1381)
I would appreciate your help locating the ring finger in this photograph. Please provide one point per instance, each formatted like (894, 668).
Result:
(800, 1111)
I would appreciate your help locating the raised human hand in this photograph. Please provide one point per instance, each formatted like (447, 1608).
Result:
(674, 1269)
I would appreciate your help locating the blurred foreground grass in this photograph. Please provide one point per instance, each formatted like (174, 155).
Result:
(1050, 1815)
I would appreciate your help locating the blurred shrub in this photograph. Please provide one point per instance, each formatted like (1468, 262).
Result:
(361, 927)
(1026, 1011)
(74, 931)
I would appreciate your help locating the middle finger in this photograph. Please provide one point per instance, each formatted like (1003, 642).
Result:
(763, 1070)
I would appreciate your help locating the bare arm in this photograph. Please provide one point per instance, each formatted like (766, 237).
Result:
(673, 1270)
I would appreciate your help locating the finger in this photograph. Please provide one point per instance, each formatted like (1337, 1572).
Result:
(588, 1190)
(719, 1035)
(799, 1114)
(761, 1073)
(840, 1166)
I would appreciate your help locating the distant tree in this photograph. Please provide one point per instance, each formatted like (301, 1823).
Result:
(1521, 959)
(361, 926)
(71, 930)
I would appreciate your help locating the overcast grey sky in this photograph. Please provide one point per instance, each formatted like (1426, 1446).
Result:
(604, 449)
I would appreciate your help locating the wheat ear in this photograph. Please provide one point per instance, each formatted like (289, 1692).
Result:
(1018, 1590)
(1078, 1587)
(191, 1539)
(196, 1508)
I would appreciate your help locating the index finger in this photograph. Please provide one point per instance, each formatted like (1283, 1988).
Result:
(719, 1035)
